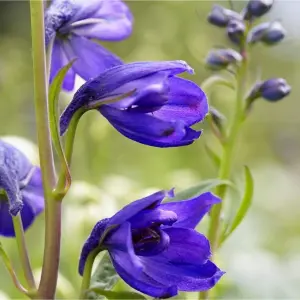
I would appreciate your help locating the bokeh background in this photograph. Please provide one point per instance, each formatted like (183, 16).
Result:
(262, 258)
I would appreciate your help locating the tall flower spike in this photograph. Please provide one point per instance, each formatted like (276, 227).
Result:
(21, 189)
(154, 246)
(160, 110)
(73, 23)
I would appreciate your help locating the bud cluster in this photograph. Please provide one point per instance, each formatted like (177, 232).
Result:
(242, 32)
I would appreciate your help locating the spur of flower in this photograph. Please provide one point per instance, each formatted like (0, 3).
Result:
(21, 189)
(158, 108)
(74, 24)
(154, 246)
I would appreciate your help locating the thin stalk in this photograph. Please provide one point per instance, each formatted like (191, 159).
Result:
(23, 253)
(226, 161)
(11, 271)
(87, 273)
(52, 208)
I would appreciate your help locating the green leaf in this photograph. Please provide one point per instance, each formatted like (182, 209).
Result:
(54, 92)
(204, 186)
(104, 277)
(213, 156)
(118, 295)
(244, 206)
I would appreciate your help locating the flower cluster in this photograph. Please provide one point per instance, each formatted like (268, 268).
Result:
(21, 189)
(154, 246)
(241, 32)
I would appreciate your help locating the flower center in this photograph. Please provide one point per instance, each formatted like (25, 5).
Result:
(149, 241)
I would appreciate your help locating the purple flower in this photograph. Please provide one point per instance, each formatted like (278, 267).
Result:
(158, 112)
(218, 59)
(74, 23)
(21, 189)
(257, 8)
(220, 16)
(154, 247)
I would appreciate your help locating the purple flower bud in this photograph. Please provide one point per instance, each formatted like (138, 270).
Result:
(271, 90)
(236, 31)
(267, 33)
(220, 16)
(218, 59)
(257, 8)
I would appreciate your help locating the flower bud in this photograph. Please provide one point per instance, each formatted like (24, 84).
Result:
(271, 90)
(236, 31)
(220, 16)
(218, 59)
(267, 33)
(257, 8)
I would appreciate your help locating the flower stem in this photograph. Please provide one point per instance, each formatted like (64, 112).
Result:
(226, 161)
(87, 273)
(23, 253)
(52, 208)
(11, 271)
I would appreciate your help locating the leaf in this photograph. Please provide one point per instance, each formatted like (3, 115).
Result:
(244, 206)
(204, 186)
(118, 295)
(213, 156)
(104, 277)
(54, 91)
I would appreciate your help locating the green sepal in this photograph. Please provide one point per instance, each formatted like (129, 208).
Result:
(244, 205)
(54, 92)
(117, 295)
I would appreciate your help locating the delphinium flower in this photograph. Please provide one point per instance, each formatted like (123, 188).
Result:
(74, 25)
(160, 109)
(154, 246)
(21, 189)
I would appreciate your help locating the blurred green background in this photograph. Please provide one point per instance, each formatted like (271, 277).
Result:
(262, 258)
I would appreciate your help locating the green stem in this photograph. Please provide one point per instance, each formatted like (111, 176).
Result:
(23, 253)
(87, 273)
(52, 208)
(226, 162)
(11, 271)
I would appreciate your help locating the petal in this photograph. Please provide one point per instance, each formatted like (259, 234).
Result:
(186, 102)
(190, 212)
(109, 81)
(91, 243)
(156, 216)
(184, 263)
(59, 60)
(92, 60)
(186, 278)
(142, 281)
(137, 206)
(120, 247)
(111, 21)
(187, 247)
(144, 128)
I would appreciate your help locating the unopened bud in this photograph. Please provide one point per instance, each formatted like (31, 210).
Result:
(257, 8)
(220, 16)
(218, 59)
(236, 31)
(267, 33)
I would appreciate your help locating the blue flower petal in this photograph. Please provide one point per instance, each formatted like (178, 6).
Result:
(103, 20)
(186, 101)
(144, 128)
(185, 263)
(59, 60)
(113, 79)
(137, 206)
(190, 212)
(93, 59)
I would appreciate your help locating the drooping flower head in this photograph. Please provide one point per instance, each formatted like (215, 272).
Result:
(154, 246)
(158, 112)
(74, 23)
(21, 189)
